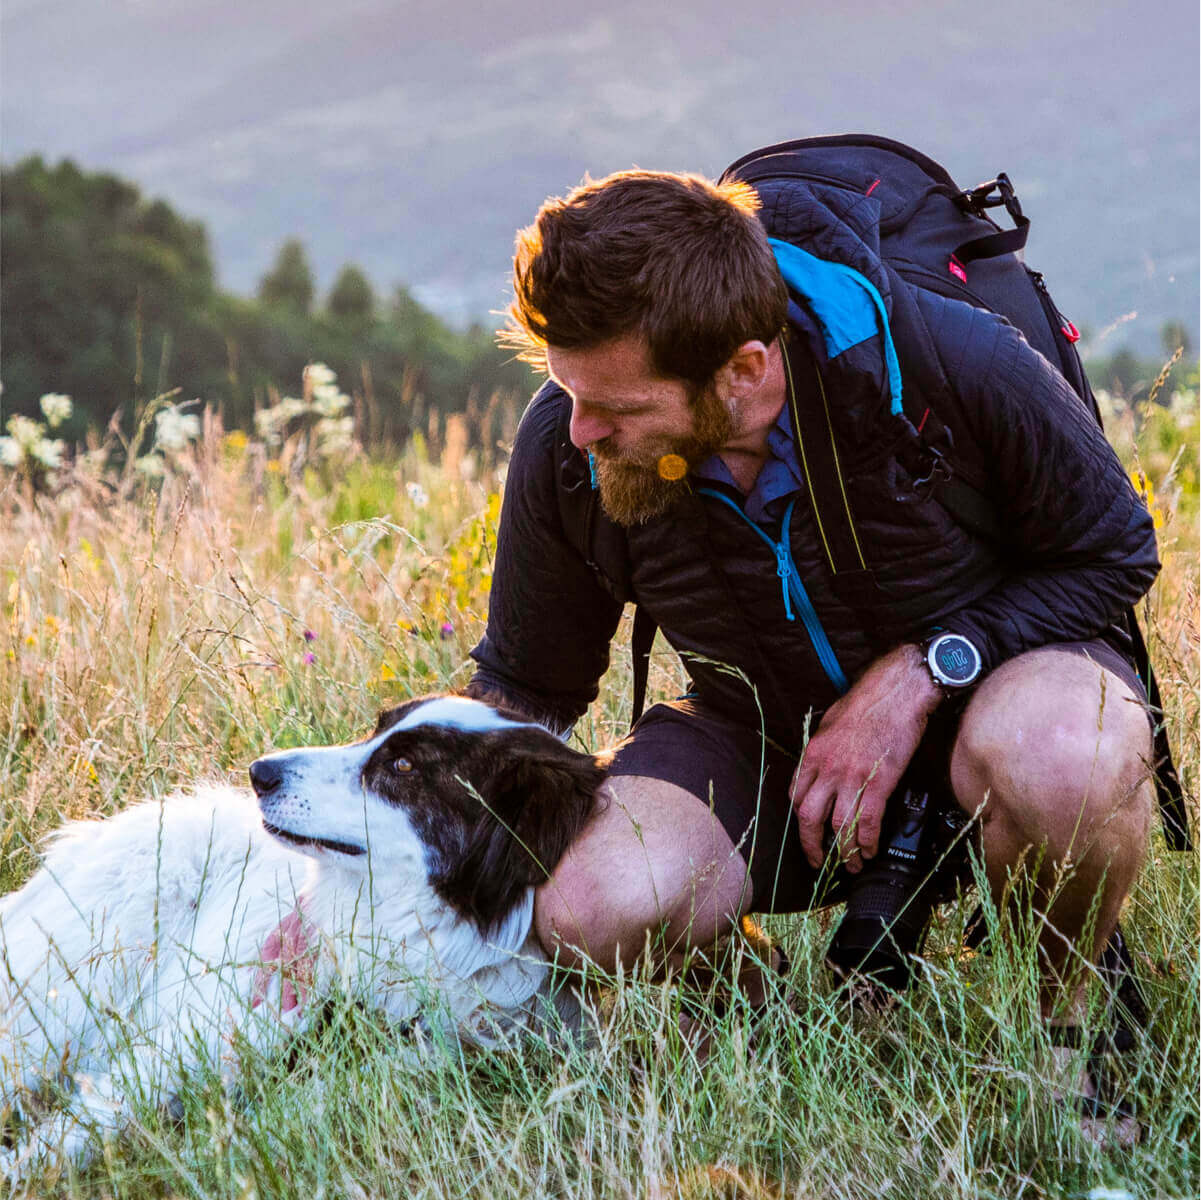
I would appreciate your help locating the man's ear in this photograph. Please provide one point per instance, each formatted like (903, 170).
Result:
(537, 798)
(745, 371)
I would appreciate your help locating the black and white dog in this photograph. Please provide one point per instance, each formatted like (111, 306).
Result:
(401, 867)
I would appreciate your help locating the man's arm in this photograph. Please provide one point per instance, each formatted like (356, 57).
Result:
(1082, 548)
(550, 620)
(1080, 540)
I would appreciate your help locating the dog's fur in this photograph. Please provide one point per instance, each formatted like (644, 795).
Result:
(136, 951)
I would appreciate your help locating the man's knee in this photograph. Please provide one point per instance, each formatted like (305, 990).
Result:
(653, 860)
(1051, 737)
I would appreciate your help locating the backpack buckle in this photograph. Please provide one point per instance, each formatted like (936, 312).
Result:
(931, 467)
(937, 470)
(977, 199)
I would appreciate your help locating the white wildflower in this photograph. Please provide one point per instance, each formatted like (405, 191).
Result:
(151, 465)
(56, 408)
(1183, 409)
(328, 401)
(48, 453)
(25, 431)
(418, 496)
(174, 429)
(336, 434)
(262, 422)
(270, 423)
(11, 452)
(318, 375)
(1111, 406)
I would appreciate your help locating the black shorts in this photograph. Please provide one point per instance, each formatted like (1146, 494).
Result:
(745, 778)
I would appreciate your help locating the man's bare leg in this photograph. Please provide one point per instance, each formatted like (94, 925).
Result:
(1057, 750)
(654, 859)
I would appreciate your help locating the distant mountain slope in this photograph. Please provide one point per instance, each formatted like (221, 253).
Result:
(415, 138)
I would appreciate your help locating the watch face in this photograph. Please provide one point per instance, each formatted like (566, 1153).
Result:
(954, 660)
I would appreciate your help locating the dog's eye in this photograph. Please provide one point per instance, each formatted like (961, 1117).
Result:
(401, 766)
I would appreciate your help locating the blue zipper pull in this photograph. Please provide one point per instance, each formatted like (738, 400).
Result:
(784, 570)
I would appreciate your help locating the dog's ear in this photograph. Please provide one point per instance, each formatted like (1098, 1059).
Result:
(537, 794)
(546, 792)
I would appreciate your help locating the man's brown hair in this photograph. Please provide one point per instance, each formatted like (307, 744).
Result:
(677, 258)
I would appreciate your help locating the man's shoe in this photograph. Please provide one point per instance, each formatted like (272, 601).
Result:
(1107, 1111)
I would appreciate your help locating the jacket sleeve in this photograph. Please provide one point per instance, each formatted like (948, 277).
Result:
(1080, 542)
(550, 620)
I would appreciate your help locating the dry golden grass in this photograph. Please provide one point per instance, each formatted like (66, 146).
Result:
(154, 635)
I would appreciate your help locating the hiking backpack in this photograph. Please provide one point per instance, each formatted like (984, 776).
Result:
(940, 237)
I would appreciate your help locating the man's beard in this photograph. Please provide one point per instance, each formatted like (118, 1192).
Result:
(638, 486)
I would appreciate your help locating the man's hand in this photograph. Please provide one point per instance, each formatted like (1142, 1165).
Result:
(854, 761)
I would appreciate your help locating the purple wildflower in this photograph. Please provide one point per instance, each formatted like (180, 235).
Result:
(309, 636)
(447, 631)
(309, 658)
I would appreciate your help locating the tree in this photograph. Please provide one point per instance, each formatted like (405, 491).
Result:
(351, 299)
(1175, 336)
(105, 293)
(111, 297)
(289, 284)
(1124, 372)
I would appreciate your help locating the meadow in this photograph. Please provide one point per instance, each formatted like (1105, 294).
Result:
(173, 609)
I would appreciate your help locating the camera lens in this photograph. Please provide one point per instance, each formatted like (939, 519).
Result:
(888, 904)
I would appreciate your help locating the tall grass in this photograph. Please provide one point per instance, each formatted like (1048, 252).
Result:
(157, 634)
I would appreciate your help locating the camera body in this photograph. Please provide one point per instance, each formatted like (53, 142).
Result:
(889, 903)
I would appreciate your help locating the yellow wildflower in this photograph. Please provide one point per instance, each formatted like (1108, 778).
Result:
(1146, 489)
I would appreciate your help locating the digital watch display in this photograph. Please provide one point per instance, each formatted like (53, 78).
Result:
(953, 661)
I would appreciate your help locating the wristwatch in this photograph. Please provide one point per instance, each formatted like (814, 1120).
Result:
(953, 661)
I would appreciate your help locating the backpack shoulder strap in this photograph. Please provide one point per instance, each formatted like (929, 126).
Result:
(641, 641)
(602, 545)
(1172, 810)
(598, 540)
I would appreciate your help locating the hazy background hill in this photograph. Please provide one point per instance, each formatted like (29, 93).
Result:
(413, 138)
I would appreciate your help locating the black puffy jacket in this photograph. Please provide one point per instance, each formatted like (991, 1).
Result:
(1078, 546)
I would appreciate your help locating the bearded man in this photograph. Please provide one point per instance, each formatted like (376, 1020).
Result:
(656, 305)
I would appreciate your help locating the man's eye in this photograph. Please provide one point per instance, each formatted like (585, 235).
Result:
(401, 766)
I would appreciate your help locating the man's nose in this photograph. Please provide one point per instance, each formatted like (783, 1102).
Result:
(586, 428)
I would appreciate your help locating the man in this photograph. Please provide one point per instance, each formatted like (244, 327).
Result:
(656, 305)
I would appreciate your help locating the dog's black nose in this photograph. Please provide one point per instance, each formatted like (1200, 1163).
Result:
(265, 776)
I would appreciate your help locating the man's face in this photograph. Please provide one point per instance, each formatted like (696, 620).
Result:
(645, 431)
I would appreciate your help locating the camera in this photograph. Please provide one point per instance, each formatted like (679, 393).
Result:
(889, 903)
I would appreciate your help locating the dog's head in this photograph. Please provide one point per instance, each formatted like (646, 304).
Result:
(483, 803)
